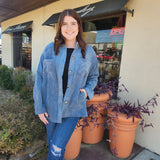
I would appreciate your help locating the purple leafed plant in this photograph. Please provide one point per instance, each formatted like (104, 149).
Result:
(106, 87)
(92, 110)
(110, 87)
(133, 109)
(128, 108)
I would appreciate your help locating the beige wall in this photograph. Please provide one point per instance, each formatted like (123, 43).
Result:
(7, 49)
(140, 65)
(41, 35)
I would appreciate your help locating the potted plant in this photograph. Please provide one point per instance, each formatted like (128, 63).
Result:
(91, 129)
(94, 124)
(123, 119)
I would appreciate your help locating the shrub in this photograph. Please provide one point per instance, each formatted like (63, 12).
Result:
(19, 78)
(23, 83)
(18, 125)
(27, 93)
(6, 77)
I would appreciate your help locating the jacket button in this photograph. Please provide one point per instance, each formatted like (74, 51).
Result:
(72, 57)
(65, 102)
(70, 71)
(67, 86)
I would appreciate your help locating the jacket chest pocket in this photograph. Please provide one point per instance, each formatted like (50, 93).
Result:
(49, 69)
(83, 66)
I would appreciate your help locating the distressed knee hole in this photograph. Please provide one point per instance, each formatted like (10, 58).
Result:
(56, 151)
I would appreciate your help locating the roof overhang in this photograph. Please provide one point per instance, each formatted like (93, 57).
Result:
(94, 9)
(18, 27)
(10, 9)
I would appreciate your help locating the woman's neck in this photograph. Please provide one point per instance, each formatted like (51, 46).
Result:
(70, 44)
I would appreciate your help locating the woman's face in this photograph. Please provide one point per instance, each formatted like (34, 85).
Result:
(69, 28)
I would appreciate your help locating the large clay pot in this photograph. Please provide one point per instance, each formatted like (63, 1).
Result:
(74, 144)
(93, 132)
(121, 133)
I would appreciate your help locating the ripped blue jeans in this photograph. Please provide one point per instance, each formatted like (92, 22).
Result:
(58, 135)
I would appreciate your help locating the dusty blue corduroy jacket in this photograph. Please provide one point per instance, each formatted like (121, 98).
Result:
(48, 92)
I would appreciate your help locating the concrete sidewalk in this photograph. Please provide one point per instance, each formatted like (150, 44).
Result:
(101, 151)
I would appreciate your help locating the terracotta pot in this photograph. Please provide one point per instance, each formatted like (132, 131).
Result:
(98, 98)
(94, 131)
(121, 133)
(74, 144)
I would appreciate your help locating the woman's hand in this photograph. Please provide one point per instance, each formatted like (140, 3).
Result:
(43, 116)
(83, 90)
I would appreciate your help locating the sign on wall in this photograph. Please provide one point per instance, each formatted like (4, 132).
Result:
(110, 35)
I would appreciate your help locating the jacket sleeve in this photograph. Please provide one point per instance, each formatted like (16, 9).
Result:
(93, 76)
(37, 91)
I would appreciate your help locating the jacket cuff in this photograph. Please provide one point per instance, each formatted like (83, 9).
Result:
(40, 110)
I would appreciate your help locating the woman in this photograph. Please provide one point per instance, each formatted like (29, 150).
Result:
(66, 77)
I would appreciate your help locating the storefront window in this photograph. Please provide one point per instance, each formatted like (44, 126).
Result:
(26, 50)
(106, 37)
(22, 49)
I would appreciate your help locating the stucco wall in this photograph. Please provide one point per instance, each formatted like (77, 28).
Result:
(41, 35)
(7, 52)
(141, 63)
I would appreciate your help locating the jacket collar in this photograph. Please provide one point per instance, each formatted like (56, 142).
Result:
(76, 47)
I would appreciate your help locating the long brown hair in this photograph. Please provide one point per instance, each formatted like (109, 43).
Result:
(59, 39)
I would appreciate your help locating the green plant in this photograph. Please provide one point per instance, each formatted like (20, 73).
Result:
(26, 93)
(18, 125)
(19, 78)
(6, 77)
(23, 83)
